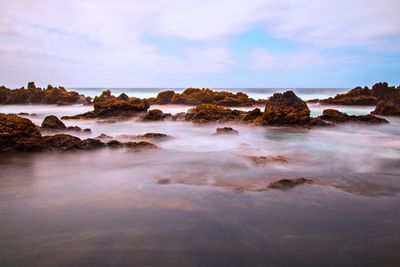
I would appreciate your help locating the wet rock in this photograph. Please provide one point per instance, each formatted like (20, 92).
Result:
(64, 142)
(260, 160)
(254, 115)
(205, 113)
(123, 96)
(387, 108)
(104, 136)
(226, 130)
(35, 95)
(53, 123)
(197, 96)
(14, 129)
(107, 106)
(285, 109)
(289, 183)
(365, 96)
(164, 181)
(139, 146)
(114, 144)
(152, 136)
(155, 115)
(336, 116)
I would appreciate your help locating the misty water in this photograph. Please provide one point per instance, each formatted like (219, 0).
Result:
(106, 207)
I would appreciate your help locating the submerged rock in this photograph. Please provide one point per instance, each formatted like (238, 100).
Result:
(289, 183)
(285, 109)
(226, 130)
(268, 159)
(336, 116)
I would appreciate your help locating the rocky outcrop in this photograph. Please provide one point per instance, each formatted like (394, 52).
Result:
(35, 95)
(52, 123)
(387, 108)
(197, 96)
(155, 115)
(286, 109)
(336, 116)
(289, 183)
(206, 113)
(226, 130)
(20, 134)
(108, 106)
(365, 96)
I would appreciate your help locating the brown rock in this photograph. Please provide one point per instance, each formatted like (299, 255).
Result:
(289, 183)
(336, 116)
(226, 130)
(53, 123)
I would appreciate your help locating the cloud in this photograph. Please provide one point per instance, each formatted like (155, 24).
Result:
(100, 38)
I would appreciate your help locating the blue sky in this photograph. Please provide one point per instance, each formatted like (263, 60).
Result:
(220, 43)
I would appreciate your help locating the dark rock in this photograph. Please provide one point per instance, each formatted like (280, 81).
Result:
(74, 128)
(164, 181)
(165, 97)
(285, 109)
(155, 115)
(104, 136)
(205, 113)
(254, 115)
(107, 105)
(226, 130)
(31, 85)
(139, 146)
(53, 123)
(123, 96)
(336, 116)
(259, 160)
(114, 144)
(289, 183)
(152, 136)
(387, 108)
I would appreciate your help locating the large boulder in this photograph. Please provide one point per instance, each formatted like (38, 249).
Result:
(14, 129)
(284, 109)
(53, 123)
(387, 108)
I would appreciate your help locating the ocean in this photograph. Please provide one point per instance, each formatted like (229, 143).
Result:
(106, 207)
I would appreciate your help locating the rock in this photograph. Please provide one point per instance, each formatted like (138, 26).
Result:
(226, 130)
(289, 183)
(107, 105)
(123, 96)
(164, 181)
(114, 144)
(365, 96)
(254, 115)
(139, 146)
(336, 116)
(197, 96)
(267, 159)
(87, 130)
(14, 129)
(155, 115)
(205, 113)
(53, 123)
(74, 128)
(104, 136)
(285, 109)
(152, 136)
(387, 108)
(34, 95)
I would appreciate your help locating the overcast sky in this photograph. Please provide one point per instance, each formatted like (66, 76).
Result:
(202, 43)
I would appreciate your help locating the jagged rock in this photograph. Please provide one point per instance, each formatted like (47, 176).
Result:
(254, 115)
(365, 96)
(289, 183)
(267, 159)
(212, 113)
(123, 96)
(387, 108)
(285, 109)
(53, 123)
(336, 116)
(197, 96)
(155, 115)
(107, 105)
(226, 130)
(34, 95)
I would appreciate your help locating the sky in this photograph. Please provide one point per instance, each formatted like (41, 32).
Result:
(200, 43)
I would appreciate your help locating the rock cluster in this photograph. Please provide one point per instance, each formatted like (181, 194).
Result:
(35, 95)
(20, 134)
(336, 116)
(197, 96)
(107, 105)
(365, 96)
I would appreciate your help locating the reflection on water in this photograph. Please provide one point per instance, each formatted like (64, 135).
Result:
(105, 208)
